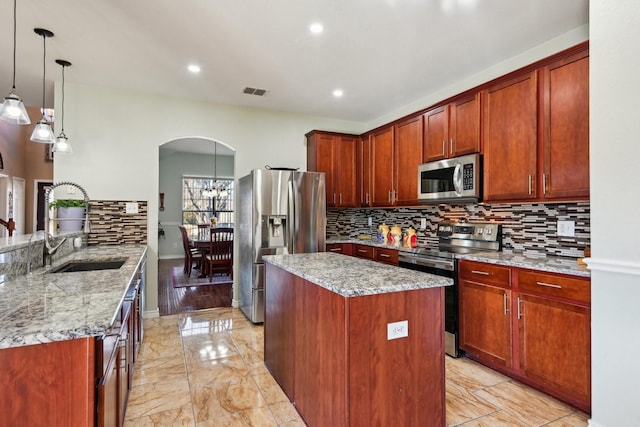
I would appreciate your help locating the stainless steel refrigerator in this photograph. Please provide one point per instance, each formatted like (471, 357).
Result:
(280, 212)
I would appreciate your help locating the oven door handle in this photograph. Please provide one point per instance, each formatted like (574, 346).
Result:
(427, 262)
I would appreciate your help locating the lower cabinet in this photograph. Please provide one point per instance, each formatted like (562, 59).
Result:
(340, 248)
(533, 326)
(374, 253)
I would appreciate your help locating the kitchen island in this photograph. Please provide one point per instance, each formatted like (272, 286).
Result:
(68, 340)
(356, 343)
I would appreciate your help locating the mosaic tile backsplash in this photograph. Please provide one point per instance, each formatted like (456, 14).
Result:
(530, 228)
(110, 225)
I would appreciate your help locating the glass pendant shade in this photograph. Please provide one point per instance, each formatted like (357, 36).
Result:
(13, 110)
(62, 144)
(43, 133)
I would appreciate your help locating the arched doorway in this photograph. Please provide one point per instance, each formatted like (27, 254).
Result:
(188, 167)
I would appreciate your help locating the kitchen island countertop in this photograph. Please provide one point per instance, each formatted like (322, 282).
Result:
(44, 307)
(349, 276)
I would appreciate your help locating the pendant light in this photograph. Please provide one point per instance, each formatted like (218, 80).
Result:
(62, 144)
(42, 132)
(13, 110)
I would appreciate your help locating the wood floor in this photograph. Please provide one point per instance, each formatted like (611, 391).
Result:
(181, 300)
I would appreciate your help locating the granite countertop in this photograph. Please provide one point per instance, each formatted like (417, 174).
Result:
(44, 307)
(349, 276)
(538, 262)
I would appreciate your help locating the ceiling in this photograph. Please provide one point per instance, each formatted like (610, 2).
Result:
(383, 54)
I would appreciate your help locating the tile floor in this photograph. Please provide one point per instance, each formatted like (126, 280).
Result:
(205, 368)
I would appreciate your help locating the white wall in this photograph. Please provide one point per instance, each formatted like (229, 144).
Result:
(615, 203)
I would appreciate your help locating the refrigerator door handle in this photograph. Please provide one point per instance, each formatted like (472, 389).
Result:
(292, 215)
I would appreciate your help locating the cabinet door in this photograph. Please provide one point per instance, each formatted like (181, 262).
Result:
(464, 126)
(510, 143)
(407, 156)
(382, 167)
(566, 138)
(555, 344)
(485, 322)
(345, 171)
(364, 154)
(320, 157)
(436, 133)
(363, 251)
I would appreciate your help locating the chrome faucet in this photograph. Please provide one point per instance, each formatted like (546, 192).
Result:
(49, 248)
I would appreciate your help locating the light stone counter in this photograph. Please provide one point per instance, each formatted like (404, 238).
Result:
(349, 276)
(538, 262)
(44, 307)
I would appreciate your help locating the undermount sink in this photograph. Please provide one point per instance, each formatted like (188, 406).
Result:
(89, 265)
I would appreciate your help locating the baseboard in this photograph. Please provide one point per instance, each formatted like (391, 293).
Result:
(174, 256)
(151, 313)
(235, 303)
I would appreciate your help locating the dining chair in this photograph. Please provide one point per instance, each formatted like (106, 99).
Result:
(203, 231)
(191, 253)
(220, 254)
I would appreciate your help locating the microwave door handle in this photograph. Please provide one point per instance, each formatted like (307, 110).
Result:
(457, 179)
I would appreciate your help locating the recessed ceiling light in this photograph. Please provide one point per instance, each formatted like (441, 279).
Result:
(194, 68)
(316, 28)
(338, 93)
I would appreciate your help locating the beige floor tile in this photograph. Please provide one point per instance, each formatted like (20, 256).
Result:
(217, 370)
(182, 416)
(161, 369)
(496, 419)
(205, 350)
(528, 405)
(233, 420)
(270, 389)
(284, 412)
(463, 406)
(470, 374)
(155, 349)
(215, 400)
(259, 417)
(577, 419)
(147, 399)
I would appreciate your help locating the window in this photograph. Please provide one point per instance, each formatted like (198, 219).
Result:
(200, 202)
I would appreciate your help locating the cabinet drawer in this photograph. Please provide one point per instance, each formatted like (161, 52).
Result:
(485, 273)
(555, 285)
(340, 248)
(363, 251)
(387, 256)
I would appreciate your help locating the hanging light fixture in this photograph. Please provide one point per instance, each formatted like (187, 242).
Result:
(62, 144)
(212, 191)
(42, 132)
(13, 110)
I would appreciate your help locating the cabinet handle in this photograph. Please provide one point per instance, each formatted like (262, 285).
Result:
(362, 251)
(444, 146)
(451, 145)
(389, 196)
(335, 250)
(519, 311)
(394, 196)
(384, 256)
(544, 183)
(366, 198)
(484, 273)
(530, 183)
(340, 198)
(504, 303)
(549, 285)
(334, 198)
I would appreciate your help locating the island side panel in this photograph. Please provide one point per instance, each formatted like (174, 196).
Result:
(51, 384)
(320, 356)
(279, 327)
(398, 382)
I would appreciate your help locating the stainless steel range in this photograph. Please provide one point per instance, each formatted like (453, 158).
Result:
(453, 239)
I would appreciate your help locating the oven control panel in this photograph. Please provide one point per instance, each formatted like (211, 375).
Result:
(469, 231)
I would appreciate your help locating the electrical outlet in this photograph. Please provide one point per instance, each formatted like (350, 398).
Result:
(370, 221)
(397, 330)
(423, 223)
(567, 228)
(131, 208)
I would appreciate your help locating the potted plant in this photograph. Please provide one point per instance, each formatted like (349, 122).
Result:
(70, 213)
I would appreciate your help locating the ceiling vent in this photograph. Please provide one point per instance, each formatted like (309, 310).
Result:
(254, 91)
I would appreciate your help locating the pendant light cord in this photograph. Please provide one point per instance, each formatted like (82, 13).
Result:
(62, 127)
(44, 70)
(15, 24)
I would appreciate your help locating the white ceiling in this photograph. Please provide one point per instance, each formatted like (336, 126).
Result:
(384, 54)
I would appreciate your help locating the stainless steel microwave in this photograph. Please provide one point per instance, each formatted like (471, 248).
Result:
(455, 180)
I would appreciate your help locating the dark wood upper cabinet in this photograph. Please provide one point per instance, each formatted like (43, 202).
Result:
(407, 157)
(510, 139)
(335, 155)
(382, 152)
(364, 170)
(566, 128)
